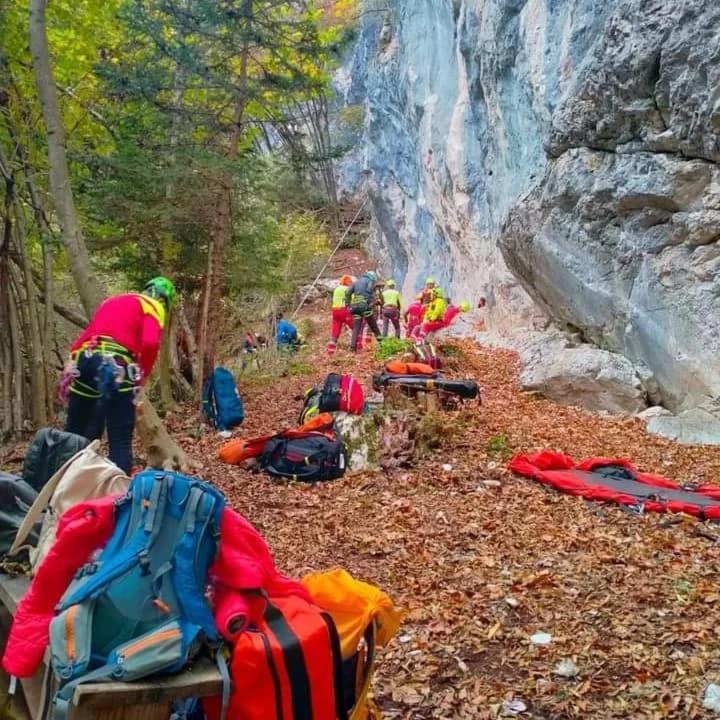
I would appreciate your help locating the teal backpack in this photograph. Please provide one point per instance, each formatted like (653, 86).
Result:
(140, 609)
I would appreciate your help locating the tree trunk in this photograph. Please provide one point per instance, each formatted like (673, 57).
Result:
(221, 225)
(48, 322)
(87, 286)
(162, 450)
(165, 367)
(17, 375)
(33, 340)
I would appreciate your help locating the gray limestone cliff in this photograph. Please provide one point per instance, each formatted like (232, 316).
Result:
(558, 157)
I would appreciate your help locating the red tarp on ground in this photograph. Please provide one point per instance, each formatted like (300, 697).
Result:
(617, 480)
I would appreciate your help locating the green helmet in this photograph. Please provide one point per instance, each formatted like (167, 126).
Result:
(390, 283)
(162, 289)
(430, 281)
(464, 306)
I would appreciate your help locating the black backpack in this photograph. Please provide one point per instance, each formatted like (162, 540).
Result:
(311, 458)
(322, 399)
(49, 450)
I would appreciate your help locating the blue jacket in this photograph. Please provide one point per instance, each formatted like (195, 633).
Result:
(286, 333)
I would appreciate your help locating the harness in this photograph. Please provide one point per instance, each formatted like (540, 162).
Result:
(118, 371)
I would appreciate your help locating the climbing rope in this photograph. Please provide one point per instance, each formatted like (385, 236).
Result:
(332, 255)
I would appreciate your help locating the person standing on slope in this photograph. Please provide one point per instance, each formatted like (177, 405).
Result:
(340, 313)
(360, 298)
(391, 308)
(110, 360)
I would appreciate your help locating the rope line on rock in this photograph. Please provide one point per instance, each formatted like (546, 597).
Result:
(332, 255)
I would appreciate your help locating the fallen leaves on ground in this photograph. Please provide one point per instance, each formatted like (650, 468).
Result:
(481, 560)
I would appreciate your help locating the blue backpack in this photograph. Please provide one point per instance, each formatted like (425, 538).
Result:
(140, 609)
(221, 400)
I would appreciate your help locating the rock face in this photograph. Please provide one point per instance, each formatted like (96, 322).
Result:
(559, 158)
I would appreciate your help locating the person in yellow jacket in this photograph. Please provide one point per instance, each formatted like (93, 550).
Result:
(340, 313)
(391, 308)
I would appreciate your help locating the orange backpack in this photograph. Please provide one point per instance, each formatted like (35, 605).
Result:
(287, 667)
(396, 367)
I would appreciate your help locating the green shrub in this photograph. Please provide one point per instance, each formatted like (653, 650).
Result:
(390, 347)
(499, 445)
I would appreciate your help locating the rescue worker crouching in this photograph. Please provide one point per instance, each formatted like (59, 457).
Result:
(109, 362)
(286, 334)
(434, 314)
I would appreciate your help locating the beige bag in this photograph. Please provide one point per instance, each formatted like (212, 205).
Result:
(86, 475)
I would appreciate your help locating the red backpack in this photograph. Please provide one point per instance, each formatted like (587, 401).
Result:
(339, 393)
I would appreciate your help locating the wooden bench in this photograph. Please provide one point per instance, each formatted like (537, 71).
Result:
(140, 700)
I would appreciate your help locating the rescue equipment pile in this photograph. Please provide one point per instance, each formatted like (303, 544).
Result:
(123, 594)
(312, 452)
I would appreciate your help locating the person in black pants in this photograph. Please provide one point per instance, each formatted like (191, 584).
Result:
(360, 297)
(110, 360)
(90, 413)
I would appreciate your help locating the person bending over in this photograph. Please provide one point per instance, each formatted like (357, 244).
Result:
(110, 360)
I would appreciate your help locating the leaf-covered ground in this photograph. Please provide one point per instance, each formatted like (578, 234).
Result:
(481, 560)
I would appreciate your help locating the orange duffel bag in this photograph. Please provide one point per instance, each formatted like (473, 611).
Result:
(239, 449)
(396, 367)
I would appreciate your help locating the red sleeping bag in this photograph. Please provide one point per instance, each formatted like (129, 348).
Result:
(617, 480)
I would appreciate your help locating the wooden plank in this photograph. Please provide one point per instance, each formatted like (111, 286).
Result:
(128, 712)
(200, 680)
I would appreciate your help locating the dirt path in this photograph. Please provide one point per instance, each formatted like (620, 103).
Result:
(480, 560)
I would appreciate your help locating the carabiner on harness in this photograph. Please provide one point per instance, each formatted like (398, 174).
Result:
(134, 373)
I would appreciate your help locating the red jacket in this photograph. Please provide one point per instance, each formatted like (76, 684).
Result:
(243, 564)
(134, 321)
(450, 314)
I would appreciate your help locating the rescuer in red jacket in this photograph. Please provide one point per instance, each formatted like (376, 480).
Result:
(109, 361)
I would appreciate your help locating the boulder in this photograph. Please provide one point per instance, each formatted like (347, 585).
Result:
(697, 426)
(360, 433)
(321, 289)
(559, 159)
(586, 376)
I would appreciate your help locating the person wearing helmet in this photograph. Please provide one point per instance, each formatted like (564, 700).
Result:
(426, 294)
(110, 360)
(391, 308)
(448, 318)
(434, 313)
(340, 313)
(360, 299)
(453, 311)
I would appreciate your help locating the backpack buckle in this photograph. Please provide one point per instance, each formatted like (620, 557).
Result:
(144, 562)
